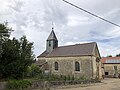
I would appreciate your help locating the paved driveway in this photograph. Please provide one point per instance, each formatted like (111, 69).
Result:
(107, 84)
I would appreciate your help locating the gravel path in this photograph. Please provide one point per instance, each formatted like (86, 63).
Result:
(107, 84)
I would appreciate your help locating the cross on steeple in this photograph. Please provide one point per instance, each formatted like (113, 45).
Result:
(52, 26)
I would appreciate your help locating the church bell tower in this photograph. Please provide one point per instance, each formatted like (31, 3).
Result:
(52, 42)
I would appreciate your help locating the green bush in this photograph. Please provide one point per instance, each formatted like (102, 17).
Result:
(53, 77)
(33, 71)
(83, 78)
(18, 84)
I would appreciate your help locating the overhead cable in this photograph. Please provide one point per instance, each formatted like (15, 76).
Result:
(91, 13)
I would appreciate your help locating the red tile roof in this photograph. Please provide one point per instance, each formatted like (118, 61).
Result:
(110, 59)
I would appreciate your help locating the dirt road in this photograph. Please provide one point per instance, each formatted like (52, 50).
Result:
(107, 84)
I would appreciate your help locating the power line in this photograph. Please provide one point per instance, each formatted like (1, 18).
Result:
(92, 13)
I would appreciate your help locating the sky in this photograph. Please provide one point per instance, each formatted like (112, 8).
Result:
(34, 18)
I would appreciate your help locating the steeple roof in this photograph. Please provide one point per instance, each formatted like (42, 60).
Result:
(52, 36)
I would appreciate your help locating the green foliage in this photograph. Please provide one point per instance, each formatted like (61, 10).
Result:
(72, 78)
(26, 52)
(5, 31)
(4, 35)
(33, 71)
(52, 77)
(109, 56)
(83, 78)
(118, 55)
(10, 56)
(16, 55)
(18, 84)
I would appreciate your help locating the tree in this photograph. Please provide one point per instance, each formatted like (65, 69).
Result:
(118, 55)
(16, 56)
(4, 34)
(10, 60)
(109, 56)
(5, 31)
(26, 53)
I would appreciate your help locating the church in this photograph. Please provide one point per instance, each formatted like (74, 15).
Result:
(79, 60)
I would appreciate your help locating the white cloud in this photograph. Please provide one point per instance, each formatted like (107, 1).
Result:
(76, 20)
(33, 18)
(114, 32)
(106, 49)
(3, 5)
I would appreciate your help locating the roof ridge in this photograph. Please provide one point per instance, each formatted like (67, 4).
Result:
(76, 44)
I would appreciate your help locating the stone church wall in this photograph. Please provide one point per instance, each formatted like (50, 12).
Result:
(66, 66)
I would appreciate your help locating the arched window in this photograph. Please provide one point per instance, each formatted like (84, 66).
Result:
(56, 65)
(77, 66)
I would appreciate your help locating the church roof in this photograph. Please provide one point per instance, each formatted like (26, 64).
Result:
(52, 36)
(85, 49)
(43, 54)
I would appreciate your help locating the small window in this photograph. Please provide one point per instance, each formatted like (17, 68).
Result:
(106, 73)
(49, 43)
(77, 66)
(115, 67)
(56, 66)
(55, 43)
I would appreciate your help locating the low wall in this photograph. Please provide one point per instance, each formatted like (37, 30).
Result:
(2, 85)
(47, 85)
(72, 82)
(42, 85)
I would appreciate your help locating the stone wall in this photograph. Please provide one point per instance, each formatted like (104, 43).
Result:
(2, 85)
(41, 85)
(37, 84)
(52, 85)
(88, 66)
(66, 66)
(110, 69)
